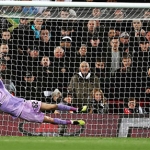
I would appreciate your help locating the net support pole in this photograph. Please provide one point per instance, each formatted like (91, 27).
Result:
(74, 4)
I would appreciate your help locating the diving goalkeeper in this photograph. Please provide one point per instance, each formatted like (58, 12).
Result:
(31, 110)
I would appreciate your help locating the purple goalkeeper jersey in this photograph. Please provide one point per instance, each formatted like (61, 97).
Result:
(9, 103)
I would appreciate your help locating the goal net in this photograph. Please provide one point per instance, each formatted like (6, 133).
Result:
(94, 54)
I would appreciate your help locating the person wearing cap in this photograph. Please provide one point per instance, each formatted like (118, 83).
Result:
(82, 83)
(32, 110)
(127, 43)
(31, 60)
(28, 87)
(66, 42)
(124, 37)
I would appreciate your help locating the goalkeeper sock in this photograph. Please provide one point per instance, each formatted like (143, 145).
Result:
(65, 107)
(60, 121)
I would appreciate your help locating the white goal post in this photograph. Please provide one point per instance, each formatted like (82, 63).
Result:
(75, 4)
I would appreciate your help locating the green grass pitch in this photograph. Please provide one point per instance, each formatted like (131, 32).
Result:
(73, 143)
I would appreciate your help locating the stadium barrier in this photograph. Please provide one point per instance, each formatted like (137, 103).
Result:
(96, 126)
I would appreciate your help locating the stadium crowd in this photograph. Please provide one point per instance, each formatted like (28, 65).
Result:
(100, 63)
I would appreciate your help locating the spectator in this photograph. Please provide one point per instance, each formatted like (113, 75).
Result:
(4, 52)
(98, 103)
(46, 74)
(89, 31)
(82, 55)
(146, 82)
(4, 23)
(126, 43)
(64, 32)
(111, 34)
(120, 24)
(133, 107)
(21, 34)
(8, 39)
(46, 43)
(96, 12)
(82, 84)
(103, 74)
(125, 79)
(95, 47)
(63, 68)
(6, 73)
(113, 56)
(46, 13)
(67, 44)
(137, 30)
(64, 13)
(31, 61)
(146, 14)
(29, 10)
(148, 36)
(56, 96)
(146, 21)
(36, 27)
(141, 56)
(28, 87)
(119, 15)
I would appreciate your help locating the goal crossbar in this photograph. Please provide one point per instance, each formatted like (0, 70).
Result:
(75, 4)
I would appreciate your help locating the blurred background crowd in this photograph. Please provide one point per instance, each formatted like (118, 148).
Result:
(96, 62)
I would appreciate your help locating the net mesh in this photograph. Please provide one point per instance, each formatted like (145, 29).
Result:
(97, 56)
